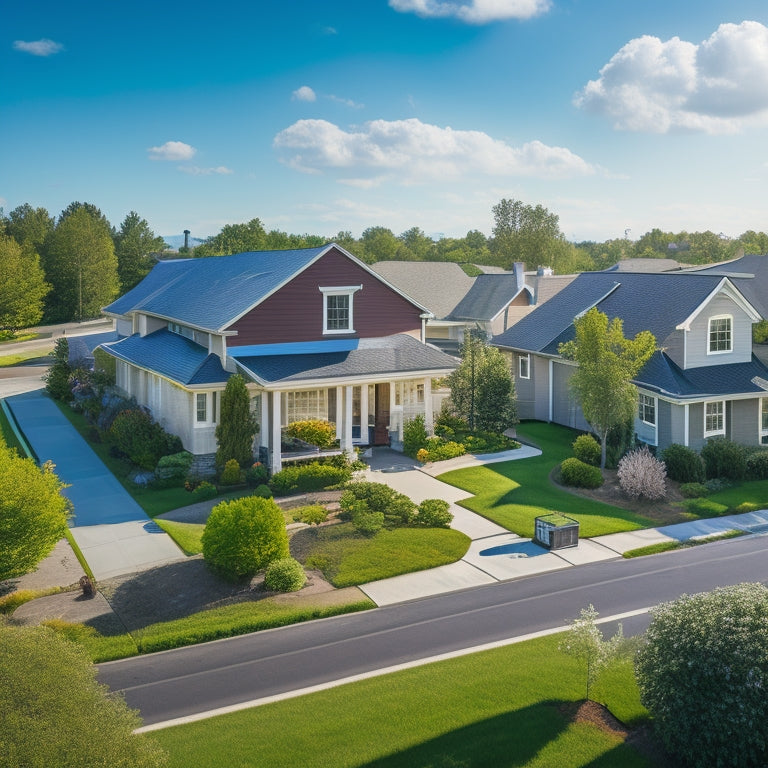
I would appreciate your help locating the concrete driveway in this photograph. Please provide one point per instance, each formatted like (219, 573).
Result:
(113, 532)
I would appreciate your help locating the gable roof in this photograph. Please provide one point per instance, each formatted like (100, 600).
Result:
(211, 293)
(487, 297)
(750, 274)
(369, 358)
(658, 303)
(437, 285)
(170, 355)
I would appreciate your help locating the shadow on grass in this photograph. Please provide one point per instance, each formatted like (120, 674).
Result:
(513, 739)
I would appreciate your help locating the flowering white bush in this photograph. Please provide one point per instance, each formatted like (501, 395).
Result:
(641, 474)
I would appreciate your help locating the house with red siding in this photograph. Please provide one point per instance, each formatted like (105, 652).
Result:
(315, 332)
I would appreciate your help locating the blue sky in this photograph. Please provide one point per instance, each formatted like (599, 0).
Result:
(337, 115)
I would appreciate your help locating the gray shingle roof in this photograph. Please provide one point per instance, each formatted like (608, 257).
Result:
(368, 357)
(171, 356)
(750, 274)
(212, 292)
(487, 297)
(438, 286)
(645, 302)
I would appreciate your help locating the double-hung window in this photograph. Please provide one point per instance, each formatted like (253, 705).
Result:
(714, 418)
(338, 309)
(524, 366)
(647, 409)
(720, 334)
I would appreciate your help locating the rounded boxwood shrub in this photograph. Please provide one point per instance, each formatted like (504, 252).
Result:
(433, 513)
(243, 536)
(263, 491)
(683, 464)
(231, 473)
(172, 470)
(693, 490)
(757, 465)
(580, 475)
(256, 475)
(205, 491)
(724, 458)
(308, 477)
(312, 514)
(587, 449)
(366, 521)
(396, 507)
(285, 575)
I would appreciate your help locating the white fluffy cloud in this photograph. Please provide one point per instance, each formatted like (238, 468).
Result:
(413, 151)
(473, 11)
(172, 150)
(305, 93)
(193, 170)
(42, 47)
(716, 86)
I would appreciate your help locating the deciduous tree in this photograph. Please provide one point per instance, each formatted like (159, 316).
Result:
(22, 287)
(30, 227)
(526, 233)
(56, 713)
(33, 513)
(607, 363)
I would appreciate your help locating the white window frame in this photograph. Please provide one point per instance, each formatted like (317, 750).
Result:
(763, 432)
(527, 360)
(713, 319)
(201, 397)
(644, 403)
(718, 431)
(343, 290)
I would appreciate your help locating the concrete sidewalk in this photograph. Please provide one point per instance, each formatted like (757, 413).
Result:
(113, 532)
(495, 554)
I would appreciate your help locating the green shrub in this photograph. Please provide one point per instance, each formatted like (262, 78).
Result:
(143, 441)
(746, 506)
(204, 492)
(757, 465)
(587, 449)
(447, 425)
(481, 441)
(414, 435)
(397, 508)
(694, 490)
(256, 475)
(717, 484)
(231, 473)
(285, 575)
(724, 458)
(580, 475)
(366, 521)
(312, 514)
(243, 536)
(433, 513)
(172, 470)
(704, 507)
(263, 492)
(683, 464)
(308, 477)
(313, 431)
(439, 450)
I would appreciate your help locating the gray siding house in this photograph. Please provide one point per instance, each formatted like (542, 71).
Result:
(702, 381)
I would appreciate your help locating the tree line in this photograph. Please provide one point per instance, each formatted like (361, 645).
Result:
(67, 268)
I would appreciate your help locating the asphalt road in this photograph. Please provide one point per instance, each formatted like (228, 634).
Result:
(200, 678)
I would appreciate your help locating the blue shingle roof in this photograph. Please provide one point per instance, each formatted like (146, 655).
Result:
(369, 357)
(212, 292)
(171, 356)
(662, 375)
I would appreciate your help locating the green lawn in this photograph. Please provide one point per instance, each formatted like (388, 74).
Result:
(513, 493)
(751, 491)
(6, 361)
(348, 559)
(506, 708)
(7, 435)
(187, 535)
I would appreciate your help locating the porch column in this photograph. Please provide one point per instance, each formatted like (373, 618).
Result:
(339, 414)
(429, 416)
(264, 427)
(686, 425)
(346, 441)
(364, 413)
(276, 462)
(551, 390)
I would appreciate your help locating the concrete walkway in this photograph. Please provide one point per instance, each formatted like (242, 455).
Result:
(113, 532)
(494, 553)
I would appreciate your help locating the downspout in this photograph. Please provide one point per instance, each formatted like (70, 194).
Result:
(551, 390)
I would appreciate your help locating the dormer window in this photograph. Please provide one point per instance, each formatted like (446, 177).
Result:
(720, 334)
(338, 305)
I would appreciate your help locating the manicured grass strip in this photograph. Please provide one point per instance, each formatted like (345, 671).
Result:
(8, 432)
(9, 603)
(503, 708)
(6, 361)
(667, 546)
(348, 559)
(227, 621)
(513, 493)
(751, 491)
(187, 535)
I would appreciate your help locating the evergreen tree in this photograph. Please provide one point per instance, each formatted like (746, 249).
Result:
(237, 425)
(134, 242)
